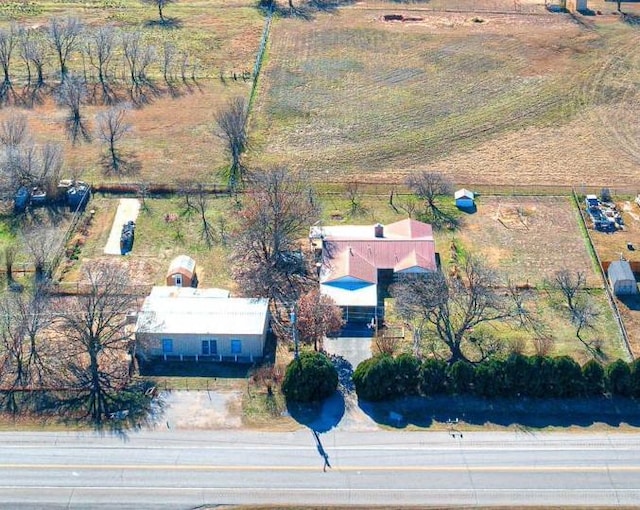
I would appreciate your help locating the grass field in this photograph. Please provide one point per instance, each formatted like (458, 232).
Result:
(163, 231)
(490, 98)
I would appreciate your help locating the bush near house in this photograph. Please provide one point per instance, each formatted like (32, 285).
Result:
(384, 377)
(309, 378)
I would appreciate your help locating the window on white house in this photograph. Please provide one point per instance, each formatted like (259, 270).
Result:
(178, 280)
(209, 347)
(236, 346)
(167, 345)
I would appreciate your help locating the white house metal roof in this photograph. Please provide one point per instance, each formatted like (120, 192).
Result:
(463, 193)
(201, 313)
(352, 293)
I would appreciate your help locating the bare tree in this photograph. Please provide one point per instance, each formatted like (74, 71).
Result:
(72, 94)
(202, 204)
(138, 57)
(64, 36)
(160, 4)
(33, 51)
(169, 54)
(100, 48)
(94, 327)
(111, 129)
(354, 195)
(232, 129)
(14, 130)
(50, 167)
(405, 203)
(9, 259)
(8, 39)
(268, 260)
(428, 186)
(453, 307)
(570, 284)
(317, 317)
(40, 242)
(23, 317)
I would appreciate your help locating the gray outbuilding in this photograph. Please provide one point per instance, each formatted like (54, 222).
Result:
(621, 278)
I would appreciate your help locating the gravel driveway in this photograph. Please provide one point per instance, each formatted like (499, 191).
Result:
(128, 210)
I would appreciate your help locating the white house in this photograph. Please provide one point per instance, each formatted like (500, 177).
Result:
(179, 322)
(464, 198)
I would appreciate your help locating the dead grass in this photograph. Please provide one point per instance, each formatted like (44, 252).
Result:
(487, 102)
(172, 137)
(529, 238)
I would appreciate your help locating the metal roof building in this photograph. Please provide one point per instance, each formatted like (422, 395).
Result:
(189, 322)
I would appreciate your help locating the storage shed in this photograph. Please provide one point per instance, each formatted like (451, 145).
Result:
(621, 278)
(464, 199)
(182, 272)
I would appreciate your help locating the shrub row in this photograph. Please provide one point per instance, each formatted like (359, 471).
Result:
(384, 377)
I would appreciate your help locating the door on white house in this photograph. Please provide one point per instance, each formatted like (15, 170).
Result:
(209, 347)
(177, 280)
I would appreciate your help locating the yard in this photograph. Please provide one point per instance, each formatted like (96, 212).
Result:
(612, 246)
(487, 98)
(528, 239)
(163, 231)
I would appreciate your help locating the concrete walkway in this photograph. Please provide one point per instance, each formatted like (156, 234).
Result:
(128, 210)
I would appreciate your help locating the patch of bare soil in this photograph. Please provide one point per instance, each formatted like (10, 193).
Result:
(202, 409)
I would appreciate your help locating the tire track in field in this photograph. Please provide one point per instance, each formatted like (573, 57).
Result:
(611, 98)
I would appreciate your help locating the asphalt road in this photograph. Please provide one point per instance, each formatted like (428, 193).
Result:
(188, 469)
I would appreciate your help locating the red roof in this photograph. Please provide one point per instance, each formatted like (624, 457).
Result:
(409, 229)
(405, 244)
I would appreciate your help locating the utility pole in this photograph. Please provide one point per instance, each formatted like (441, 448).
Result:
(294, 331)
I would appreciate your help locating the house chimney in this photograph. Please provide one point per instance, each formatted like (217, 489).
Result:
(378, 230)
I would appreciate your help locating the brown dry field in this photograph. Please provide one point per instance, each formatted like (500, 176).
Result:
(529, 238)
(173, 138)
(512, 99)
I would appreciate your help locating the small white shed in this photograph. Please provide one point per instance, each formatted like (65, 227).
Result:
(621, 278)
(464, 199)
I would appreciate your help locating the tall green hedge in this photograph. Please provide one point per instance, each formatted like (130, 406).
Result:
(384, 377)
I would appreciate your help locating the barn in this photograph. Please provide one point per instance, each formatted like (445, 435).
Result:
(182, 272)
(621, 278)
(464, 198)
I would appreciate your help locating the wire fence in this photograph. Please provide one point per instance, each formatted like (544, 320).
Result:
(605, 280)
(368, 188)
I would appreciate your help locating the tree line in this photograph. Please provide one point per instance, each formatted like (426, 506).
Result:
(102, 61)
(386, 377)
(72, 356)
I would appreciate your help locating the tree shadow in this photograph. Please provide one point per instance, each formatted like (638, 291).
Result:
(632, 302)
(523, 412)
(127, 164)
(166, 23)
(321, 416)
